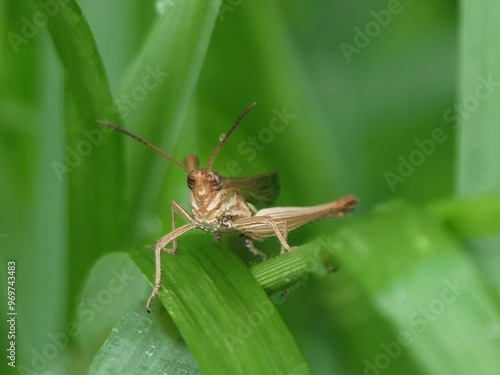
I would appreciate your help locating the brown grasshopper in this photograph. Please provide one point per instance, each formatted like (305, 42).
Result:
(229, 205)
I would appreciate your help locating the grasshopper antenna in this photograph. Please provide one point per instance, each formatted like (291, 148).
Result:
(143, 141)
(226, 136)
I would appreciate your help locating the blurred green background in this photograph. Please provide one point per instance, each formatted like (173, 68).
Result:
(395, 102)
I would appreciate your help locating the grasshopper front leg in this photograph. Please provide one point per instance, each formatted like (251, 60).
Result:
(175, 208)
(164, 241)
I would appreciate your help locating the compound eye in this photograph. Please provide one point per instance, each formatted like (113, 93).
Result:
(216, 181)
(190, 181)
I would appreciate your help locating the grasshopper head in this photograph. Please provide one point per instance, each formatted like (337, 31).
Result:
(204, 184)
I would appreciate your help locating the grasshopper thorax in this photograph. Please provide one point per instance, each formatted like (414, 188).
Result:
(207, 194)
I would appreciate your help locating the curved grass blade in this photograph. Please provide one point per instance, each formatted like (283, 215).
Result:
(223, 314)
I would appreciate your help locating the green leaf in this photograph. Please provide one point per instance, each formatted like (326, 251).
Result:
(114, 287)
(286, 270)
(220, 308)
(470, 217)
(479, 99)
(89, 155)
(137, 345)
(421, 281)
(477, 111)
(115, 334)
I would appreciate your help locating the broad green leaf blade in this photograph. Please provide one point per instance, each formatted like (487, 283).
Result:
(426, 286)
(223, 314)
(476, 113)
(113, 331)
(95, 209)
(114, 287)
(138, 346)
(478, 107)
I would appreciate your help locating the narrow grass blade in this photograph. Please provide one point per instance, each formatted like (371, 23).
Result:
(479, 99)
(90, 157)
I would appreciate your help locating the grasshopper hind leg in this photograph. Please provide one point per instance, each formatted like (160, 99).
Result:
(250, 246)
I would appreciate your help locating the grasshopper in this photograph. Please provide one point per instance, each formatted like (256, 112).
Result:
(230, 205)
